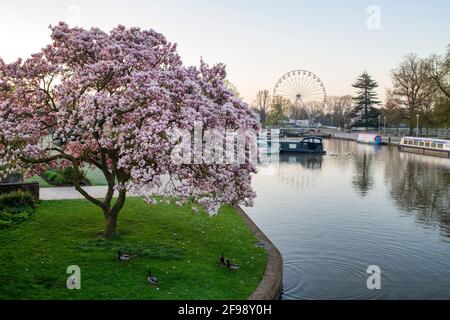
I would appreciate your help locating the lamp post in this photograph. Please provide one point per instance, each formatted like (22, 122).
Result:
(417, 132)
(379, 123)
(331, 123)
(384, 122)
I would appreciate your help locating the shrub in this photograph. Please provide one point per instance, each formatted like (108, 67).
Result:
(5, 224)
(21, 217)
(15, 208)
(63, 177)
(16, 199)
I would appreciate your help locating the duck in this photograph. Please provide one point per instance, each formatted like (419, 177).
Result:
(152, 279)
(222, 260)
(124, 257)
(72, 282)
(231, 265)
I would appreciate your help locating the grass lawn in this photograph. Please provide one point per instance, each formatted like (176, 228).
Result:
(181, 249)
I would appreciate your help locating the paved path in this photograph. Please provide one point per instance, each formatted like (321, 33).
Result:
(63, 193)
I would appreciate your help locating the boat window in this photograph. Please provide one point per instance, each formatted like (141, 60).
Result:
(427, 144)
(440, 146)
(433, 145)
(421, 143)
(416, 143)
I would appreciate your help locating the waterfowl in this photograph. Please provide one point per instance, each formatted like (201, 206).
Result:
(152, 279)
(232, 266)
(124, 257)
(222, 260)
(72, 282)
(261, 244)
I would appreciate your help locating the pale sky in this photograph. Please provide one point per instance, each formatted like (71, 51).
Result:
(258, 40)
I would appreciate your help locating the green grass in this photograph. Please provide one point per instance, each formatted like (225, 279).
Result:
(181, 248)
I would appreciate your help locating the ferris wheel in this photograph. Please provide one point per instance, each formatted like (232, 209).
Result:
(301, 87)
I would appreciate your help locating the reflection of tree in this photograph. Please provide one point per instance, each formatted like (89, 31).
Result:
(363, 180)
(420, 185)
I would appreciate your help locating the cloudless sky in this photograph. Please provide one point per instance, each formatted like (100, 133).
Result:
(258, 40)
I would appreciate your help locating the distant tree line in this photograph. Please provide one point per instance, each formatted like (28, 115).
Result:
(420, 88)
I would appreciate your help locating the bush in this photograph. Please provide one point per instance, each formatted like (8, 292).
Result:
(63, 177)
(21, 217)
(5, 224)
(16, 199)
(15, 208)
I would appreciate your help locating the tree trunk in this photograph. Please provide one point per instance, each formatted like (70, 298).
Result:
(110, 224)
(111, 215)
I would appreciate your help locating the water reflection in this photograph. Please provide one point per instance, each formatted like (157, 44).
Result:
(299, 170)
(420, 186)
(363, 179)
(307, 161)
(332, 216)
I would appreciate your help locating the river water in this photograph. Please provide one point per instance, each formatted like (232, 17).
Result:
(332, 216)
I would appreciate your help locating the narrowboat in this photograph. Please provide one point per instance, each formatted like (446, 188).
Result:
(369, 138)
(307, 145)
(425, 146)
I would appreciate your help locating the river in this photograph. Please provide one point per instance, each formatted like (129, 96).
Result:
(332, 216)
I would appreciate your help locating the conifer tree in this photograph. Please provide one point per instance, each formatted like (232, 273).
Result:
(365, 101)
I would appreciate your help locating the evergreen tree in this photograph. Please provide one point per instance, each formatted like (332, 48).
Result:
(365, 100)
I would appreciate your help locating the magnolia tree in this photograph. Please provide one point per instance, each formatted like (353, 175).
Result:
(112, 101)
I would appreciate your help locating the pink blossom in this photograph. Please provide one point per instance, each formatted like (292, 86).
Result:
(110, 100)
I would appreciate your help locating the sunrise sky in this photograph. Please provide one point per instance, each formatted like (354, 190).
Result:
(259, 41)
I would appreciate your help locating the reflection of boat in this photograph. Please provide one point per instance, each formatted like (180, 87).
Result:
(307, 145)
(368, 149)
(369, 138)
(309, 161)
(441, 162)
(425, 145)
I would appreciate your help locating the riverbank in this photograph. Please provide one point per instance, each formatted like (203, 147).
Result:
(180, 247)
(352, 136)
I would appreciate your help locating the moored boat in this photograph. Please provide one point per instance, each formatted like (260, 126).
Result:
(369, 138)
(307, 145)
(425, 145)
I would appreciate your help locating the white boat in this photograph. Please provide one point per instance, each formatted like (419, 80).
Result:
(369, 138)
(425, 145)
